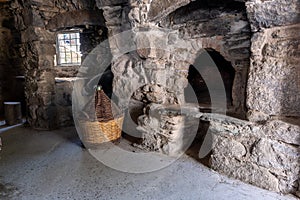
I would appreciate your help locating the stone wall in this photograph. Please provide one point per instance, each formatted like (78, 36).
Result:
(273, 85)
(266, 152)
(36, 21)
(259, 38)
(153, 43)
(37, 51)
(151, 61)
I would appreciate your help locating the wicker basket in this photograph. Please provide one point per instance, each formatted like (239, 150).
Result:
(98, 132)
(105, 127)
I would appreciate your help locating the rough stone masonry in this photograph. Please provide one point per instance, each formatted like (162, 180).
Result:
(259, 38)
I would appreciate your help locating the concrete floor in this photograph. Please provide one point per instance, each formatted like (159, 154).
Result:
(52, 165)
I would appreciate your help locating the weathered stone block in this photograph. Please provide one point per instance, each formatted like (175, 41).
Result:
(32, 34)
(280, 159)
(266, 14)
(250, 151)
(43, 3)
(46, 82)
(142, 45)
(288, 49)
(229, 147)
(44, 49)
(256, 116)
(275, 155)
(161, 8)
(46, 61)
(31, 17)
(273, 82)
(102, 3)
(245, 171)
(76, 18)
(286, 132)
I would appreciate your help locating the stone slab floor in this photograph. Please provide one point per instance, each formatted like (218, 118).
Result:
(52, 165)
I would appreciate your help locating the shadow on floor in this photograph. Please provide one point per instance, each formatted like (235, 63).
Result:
(70, 134)
(193, 150)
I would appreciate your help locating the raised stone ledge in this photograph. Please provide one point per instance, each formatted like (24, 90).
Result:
(264, 154)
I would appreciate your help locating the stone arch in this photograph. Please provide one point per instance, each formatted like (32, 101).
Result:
(201, 24)
(162, 8)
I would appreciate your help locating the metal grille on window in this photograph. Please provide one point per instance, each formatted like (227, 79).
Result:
(68, 46)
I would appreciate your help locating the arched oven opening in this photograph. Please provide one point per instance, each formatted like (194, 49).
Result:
(200, 88)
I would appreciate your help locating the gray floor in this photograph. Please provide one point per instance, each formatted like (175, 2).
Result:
(51, 165)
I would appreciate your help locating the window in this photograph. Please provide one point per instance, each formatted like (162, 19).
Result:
(68, 48)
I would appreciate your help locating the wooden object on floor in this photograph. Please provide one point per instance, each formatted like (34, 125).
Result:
(12, 113)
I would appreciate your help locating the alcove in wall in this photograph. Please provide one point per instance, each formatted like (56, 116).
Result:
(199, 86)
